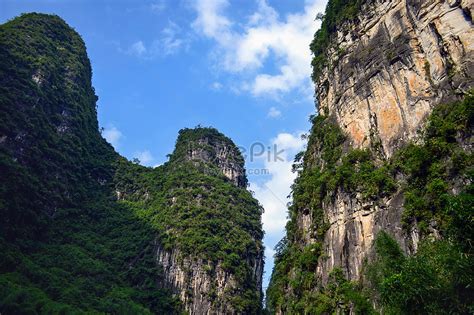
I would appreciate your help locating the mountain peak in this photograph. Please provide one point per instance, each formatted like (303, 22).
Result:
(208, 146)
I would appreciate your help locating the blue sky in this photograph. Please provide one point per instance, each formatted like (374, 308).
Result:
(242, 67)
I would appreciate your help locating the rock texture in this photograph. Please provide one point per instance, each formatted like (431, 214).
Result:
(389, 67)
(202, 286)
(386, 71)
(353, 227)
(225, 157)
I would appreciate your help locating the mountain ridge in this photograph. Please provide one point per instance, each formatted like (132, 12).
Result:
(84, 230)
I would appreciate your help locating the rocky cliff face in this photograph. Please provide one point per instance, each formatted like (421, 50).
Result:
(380, 69)
(386, 71)
(390, 66)
(203, 286)
(226, 157)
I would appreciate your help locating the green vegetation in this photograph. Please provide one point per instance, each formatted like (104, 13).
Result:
(425, 173)
(437, 279)
(439, 276)
(441, 163)
(339, 294)
(287, 259)
(199, 212)
(337, 12)
(68, 245)
(325, 169)
(295, 271)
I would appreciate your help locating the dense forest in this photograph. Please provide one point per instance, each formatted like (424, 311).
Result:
(80, 224)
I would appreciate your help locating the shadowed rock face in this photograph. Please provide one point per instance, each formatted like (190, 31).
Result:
(388, 69)
(202, 286)
(386, 72)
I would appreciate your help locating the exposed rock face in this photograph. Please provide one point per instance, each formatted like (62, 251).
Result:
(393, 64)
(353, 227)
(386, 72)
(203, 287)
(225, 157)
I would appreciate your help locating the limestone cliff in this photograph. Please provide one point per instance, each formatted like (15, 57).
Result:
(216, 263)
(205, 287)
(386, 71)
(387, 68)
(197, 146)
(380, 69)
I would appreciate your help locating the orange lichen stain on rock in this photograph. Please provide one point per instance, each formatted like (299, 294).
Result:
(357, 134)
(389, 119)
(418, 85)
(412, 82)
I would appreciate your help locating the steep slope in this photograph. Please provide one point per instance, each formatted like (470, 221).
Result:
(210, 243)
(83, 230)
(399, 59)
(61, 251)
(391, 150)
(384, 69)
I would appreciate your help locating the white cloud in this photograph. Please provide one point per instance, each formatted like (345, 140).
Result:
(216, 86)
(274, 112)
(112, 135)
(269, 252)
(137, 49)
(211, 20)
(289, 142)
(273, 193)
(158, 6)
(145, 157)
(265, 34)
(264, 14)
(169, 42)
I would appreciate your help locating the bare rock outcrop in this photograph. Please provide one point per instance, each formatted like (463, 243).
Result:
(389, 67)
(386, 71)
(202, 286)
